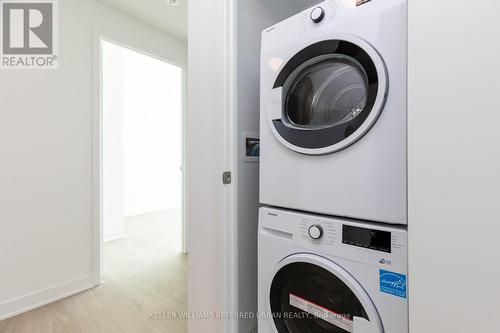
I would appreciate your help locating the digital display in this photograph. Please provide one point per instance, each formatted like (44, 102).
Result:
(367, 238)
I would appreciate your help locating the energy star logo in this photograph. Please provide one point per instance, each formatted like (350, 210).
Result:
(393, 283)
(29, 34)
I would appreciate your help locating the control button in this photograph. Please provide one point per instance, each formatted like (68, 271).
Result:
(315, 231)
(317, 14)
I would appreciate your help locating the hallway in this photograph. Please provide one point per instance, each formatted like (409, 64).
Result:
(143, 274)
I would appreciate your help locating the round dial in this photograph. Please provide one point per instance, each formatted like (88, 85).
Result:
(315, 231)
(317, 14)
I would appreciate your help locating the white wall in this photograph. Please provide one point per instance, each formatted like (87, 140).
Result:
(112, 142)
(152, 124)
(253, 17)
(454, 163)
(46, 175)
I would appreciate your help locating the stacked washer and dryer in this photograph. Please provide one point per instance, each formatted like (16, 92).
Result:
(333, 173)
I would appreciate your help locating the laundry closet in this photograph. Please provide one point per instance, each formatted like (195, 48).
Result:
(407, 228)
(331, 143)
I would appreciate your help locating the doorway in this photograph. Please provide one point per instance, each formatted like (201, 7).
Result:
(142, 226)
(142, 138)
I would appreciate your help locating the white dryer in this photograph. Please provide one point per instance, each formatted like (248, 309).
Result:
(334, 111)
(332, 275)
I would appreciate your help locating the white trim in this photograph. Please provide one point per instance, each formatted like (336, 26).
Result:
(184, 213)
(231, 160)
(97, 234)
(43, 297)
(97, 37)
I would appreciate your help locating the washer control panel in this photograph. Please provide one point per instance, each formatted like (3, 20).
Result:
(370, 243)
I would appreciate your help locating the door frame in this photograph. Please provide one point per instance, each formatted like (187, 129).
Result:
(97, 141)
(232, 158)
(213, 261)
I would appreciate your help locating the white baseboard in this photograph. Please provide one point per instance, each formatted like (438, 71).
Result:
(114, 236)
(16, 306)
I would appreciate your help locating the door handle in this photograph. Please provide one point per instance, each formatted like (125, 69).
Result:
(274, 104)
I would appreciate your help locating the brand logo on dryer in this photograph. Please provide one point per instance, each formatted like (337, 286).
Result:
(393, 283)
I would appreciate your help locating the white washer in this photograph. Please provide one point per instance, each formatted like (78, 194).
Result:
(319, 274)
(333, 111)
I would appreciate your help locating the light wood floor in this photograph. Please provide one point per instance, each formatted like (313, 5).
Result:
(144, 274)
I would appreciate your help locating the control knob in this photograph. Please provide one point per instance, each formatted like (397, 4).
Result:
(315, 231)
(317, 14)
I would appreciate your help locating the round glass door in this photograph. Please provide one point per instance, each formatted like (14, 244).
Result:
(325, 91)
(307, 296)
(332, 94)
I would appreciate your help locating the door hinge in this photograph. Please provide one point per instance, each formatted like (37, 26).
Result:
(226, 178)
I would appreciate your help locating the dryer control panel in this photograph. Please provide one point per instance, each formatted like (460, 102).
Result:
(326, 11)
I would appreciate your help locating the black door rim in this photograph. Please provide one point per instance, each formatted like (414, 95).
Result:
(334, 138)
(335, 270)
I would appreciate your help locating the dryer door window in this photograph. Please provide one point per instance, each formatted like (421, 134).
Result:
(305, 297)
(332, 94)
(325, 92)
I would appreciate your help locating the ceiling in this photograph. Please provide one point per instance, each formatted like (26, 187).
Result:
(155, 13)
